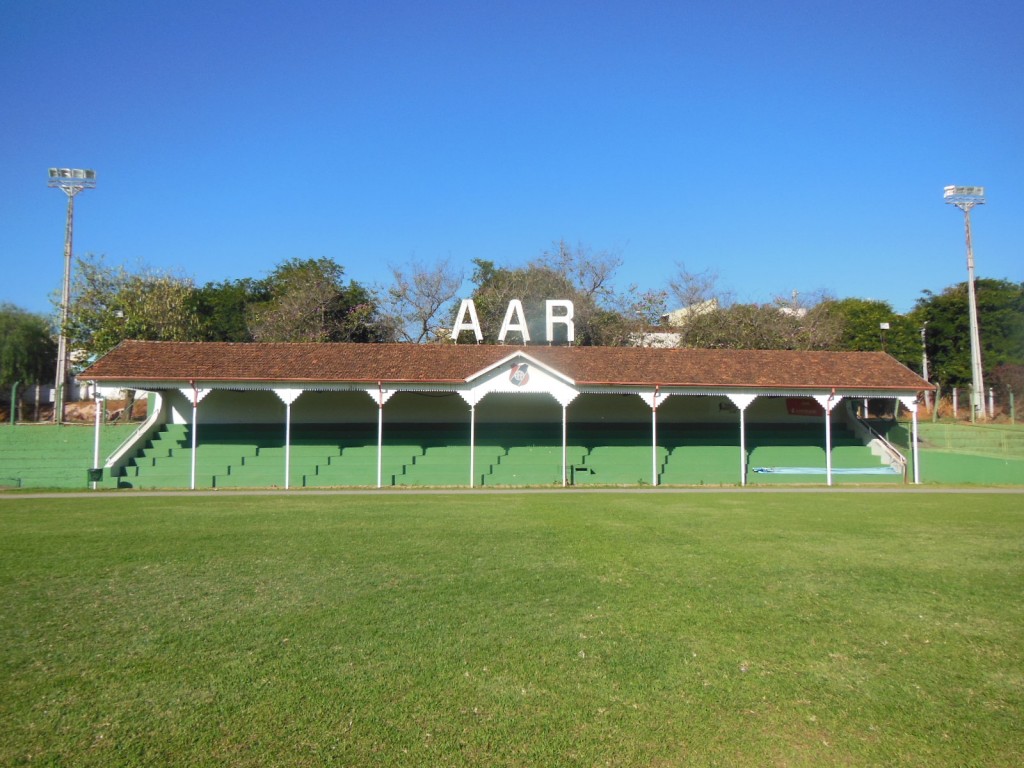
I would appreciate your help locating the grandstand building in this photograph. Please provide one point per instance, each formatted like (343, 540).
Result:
(378, 415)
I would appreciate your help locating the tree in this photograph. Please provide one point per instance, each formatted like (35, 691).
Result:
(310, 302)
(579, 275)
(497, 286)
(110, 304)
(783, 324)
(418, 297)
(860, 329)
(696, 289)
(1000, 324)
(591, 273)
(223, 308)
(603, 317)
(28, 352)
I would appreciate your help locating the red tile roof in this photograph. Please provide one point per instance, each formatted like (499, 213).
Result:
(169, 362)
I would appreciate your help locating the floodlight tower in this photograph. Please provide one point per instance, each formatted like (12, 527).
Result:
(72, 181)
(966, 198)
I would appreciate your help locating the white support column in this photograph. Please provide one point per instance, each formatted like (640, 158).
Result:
(380, 396)
(743, 447)
(910, 403)
(651, 398)
(742, 402)
(654, 445)
(380, 444)
(471, 398)
(564, 397)
(472, 446)
(828, 402)
(287, 444)
(195, 435)
(917, 462)
(565, 449)
(288, 396)
(828, 447)
(96, 437)
(197, 395)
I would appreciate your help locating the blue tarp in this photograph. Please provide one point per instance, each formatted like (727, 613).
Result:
(822, 471)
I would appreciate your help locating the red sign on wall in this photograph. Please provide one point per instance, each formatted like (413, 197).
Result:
(804, 406)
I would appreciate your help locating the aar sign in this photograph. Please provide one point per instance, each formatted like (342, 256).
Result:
(556, 311)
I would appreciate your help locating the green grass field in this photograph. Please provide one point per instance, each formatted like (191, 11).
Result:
(566, 629)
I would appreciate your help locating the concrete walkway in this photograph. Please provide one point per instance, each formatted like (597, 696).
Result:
(121, 494)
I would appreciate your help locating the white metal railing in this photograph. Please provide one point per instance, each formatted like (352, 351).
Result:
(876, 441)
(891, 452)
(145, 430)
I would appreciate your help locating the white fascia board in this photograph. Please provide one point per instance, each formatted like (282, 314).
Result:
(241, 386)
(714, 391)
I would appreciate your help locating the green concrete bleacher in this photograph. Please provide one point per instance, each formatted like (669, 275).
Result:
(702, 465)
(327, 455)
(620, 464)
(781, 452)
(437, 465)
(701, 454)
(355, 471)
(787, 448)
(531, 465)
(506, 455)
(232, 456)
(165, 461)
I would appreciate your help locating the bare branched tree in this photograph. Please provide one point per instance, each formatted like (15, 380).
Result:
(783, 324)
(419, 297)
(589, 271)
(813, 324)
(694, 289)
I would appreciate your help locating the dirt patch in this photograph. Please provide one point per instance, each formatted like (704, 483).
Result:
(82, 411)
(85, 410)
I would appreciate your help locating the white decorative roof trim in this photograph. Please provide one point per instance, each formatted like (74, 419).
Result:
(194, 395)
(742, 400)
(288, 395)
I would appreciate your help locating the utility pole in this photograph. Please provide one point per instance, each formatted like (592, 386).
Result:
(924, 366)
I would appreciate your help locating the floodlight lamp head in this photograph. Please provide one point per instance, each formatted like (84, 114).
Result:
(964, 198)
(72, 180)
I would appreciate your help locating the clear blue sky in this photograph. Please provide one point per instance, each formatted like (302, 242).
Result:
(787, 145)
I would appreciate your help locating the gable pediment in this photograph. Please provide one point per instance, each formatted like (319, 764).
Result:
(521, 373)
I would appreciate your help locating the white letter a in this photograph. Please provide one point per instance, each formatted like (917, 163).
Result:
(515, 307)
(467, 306)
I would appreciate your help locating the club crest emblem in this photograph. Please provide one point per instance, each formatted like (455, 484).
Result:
(520, 374)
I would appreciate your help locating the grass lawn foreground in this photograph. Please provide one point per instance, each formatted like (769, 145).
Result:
(616, 629)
